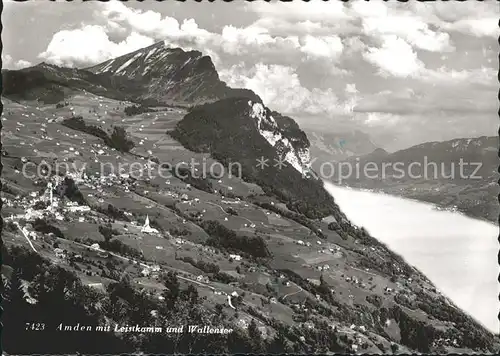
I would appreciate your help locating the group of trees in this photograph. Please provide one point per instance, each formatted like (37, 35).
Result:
(222, 237)
(78, 123)
(118, 139)
(200, 183)
(207, 267)
(42, 226)
(297, 217)
(136, 110)
(114, 213)
(61, 105)
(107, 232)
(68, 188)
(59, 297)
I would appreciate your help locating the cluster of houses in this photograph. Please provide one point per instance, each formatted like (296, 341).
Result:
(151, 271)
(302, 243)
(356, 281)
(203, 279)
(323, 268)
(53, 206)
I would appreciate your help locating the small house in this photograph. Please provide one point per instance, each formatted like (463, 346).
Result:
(235, 257)
(59, 253)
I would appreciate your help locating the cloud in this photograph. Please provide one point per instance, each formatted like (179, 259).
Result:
(483, 76)
(329, 47)
(239, 41)
(117, 15)
(9, 63)
(232, 40)
(395, 57)
(118, 29)
(478, 19)
(280, 88)
(323, 12)
(484, 27)
(89, 45)
(351, 88)
(411, 29)
(379, 19)
(384, 119)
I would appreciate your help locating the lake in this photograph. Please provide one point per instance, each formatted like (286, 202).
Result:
(457, 253)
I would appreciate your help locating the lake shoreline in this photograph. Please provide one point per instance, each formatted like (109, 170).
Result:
(443, 245)
(423, 201)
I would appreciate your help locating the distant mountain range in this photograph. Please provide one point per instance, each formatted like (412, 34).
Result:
(459, 174)
(338, 146)
(269, 254)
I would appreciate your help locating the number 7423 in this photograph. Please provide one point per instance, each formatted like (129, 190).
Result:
(35, 326)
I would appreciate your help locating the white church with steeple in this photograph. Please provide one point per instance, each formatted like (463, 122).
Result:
(148, 229)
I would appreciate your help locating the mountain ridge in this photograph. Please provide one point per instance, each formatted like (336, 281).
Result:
(182, 76)
(175, 77)
(457, 174)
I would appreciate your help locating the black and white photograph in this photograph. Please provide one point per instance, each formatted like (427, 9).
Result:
(250, 177)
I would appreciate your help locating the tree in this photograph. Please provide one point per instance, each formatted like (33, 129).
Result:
(119, 140)
(255, 336)
(219, 310)
(173, 289)
(107, 232)
(192, 294)
(279, 344)
(13, 291)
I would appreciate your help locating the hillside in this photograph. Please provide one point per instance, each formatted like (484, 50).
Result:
(459, 174)
(50, 84)
(268, 255)
(238, 130)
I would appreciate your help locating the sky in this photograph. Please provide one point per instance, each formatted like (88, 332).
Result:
(405, 73)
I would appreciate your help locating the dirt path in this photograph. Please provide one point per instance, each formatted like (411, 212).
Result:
(289, 294)
(27, 238)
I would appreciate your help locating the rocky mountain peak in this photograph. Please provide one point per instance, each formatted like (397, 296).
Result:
(171, 75)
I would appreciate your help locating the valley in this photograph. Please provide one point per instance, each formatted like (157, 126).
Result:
(162, 241)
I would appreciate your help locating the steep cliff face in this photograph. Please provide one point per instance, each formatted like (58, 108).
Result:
(244, 131)
(291, 145)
